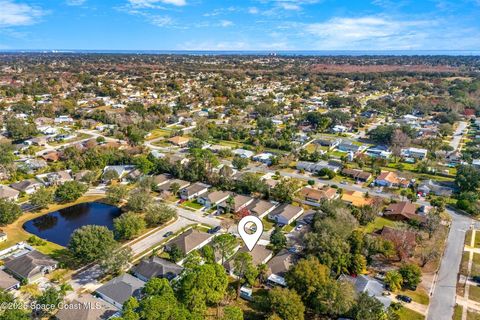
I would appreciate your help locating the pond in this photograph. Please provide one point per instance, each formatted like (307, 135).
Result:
(58, 226)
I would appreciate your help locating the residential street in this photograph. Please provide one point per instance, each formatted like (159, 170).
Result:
(442, 300)
(458, 135)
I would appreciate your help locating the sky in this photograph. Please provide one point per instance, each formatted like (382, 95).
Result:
(267, 25)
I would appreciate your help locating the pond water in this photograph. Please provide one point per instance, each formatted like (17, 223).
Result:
(58, 226)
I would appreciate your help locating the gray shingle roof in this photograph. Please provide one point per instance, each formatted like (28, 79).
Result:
(121, 288)
(157, 267)
(30, 264)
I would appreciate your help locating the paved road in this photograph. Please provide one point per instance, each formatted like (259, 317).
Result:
(458, 134)
(442, 300)
(156, 237)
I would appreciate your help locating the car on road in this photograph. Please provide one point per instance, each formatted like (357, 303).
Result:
(403, 298)
(343, 182)
(214, 229)
(167, 234)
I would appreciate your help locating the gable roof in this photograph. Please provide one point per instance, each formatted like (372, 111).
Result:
(318, 194)
(281, 263)
(121, 288)
(195, 188)
(7, 281)
(29, 264)
(157, 267)
(404, 208)
(259, 207)
(6, 192)
(86, 308)
(356, 198)
(287, 211)
(189, 240)
(25, 184)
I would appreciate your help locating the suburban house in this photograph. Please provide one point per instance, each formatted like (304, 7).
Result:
(349, 147)
(155, 267)
(86, 307)
(278, 267)
(285, 214)
(358, 175)
(120, 289)
(416, 153)
(314, 197)
(242, 153)
(167, 186)
(356, 198)
(381, 152)
(8, 282)
(8, 193)
(160, 179)
(27, 186)
(260, 208)
(179, 141)
(120, 170)
(403, 211)
(365, 284)
(329, 143)
(391, 179)
(260, 255)
(315, 167)
(52, 156)
(213, 198)
(432, 187)
(188, 241)
(55, 178)
(194, 190)
(238, 203)
(265, 158)
(30, 266)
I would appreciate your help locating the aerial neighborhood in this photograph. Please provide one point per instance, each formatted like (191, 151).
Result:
(123, 180)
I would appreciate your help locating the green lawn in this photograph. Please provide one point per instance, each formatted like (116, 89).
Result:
(468, 237)
(457, 312)
(419, 296)
(158, 133)
(472, 315)
(475, 265)
(407, 314)
(378, 224)
(192, 204)
(474, 293)
(267, 224)
(464, 263)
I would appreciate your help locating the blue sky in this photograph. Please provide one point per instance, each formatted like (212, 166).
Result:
(240, 24)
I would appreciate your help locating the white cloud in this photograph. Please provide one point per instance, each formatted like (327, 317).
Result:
(154, 3)
(253, 10)
(160, 21)
(76, 2)
(226, 23)
(369, 32)
(18, 14)
(289, 6)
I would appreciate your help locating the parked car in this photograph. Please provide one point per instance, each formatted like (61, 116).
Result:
(214, 230)
(167, 234)
(403, 298)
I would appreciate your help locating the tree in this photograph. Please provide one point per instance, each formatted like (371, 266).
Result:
(18, 129)
(358, 264)
(42, 198)
(115, 194)
(284, 190)
(159, 213)
(467, 178)
(110, 175)
(232, 313)
(115, 263)
(206, 284)
(411, 274)
(244, 269)
(70, 191)
(224, 245)
(393, 280)
(286, 304)
(128, 226)
(91, 243)
(9, 212)
(139, 200)
(174, 188)
(175, 253)
(50, 300)
(312, 281)
(239, 162)
(369, 308)
(278, 239)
